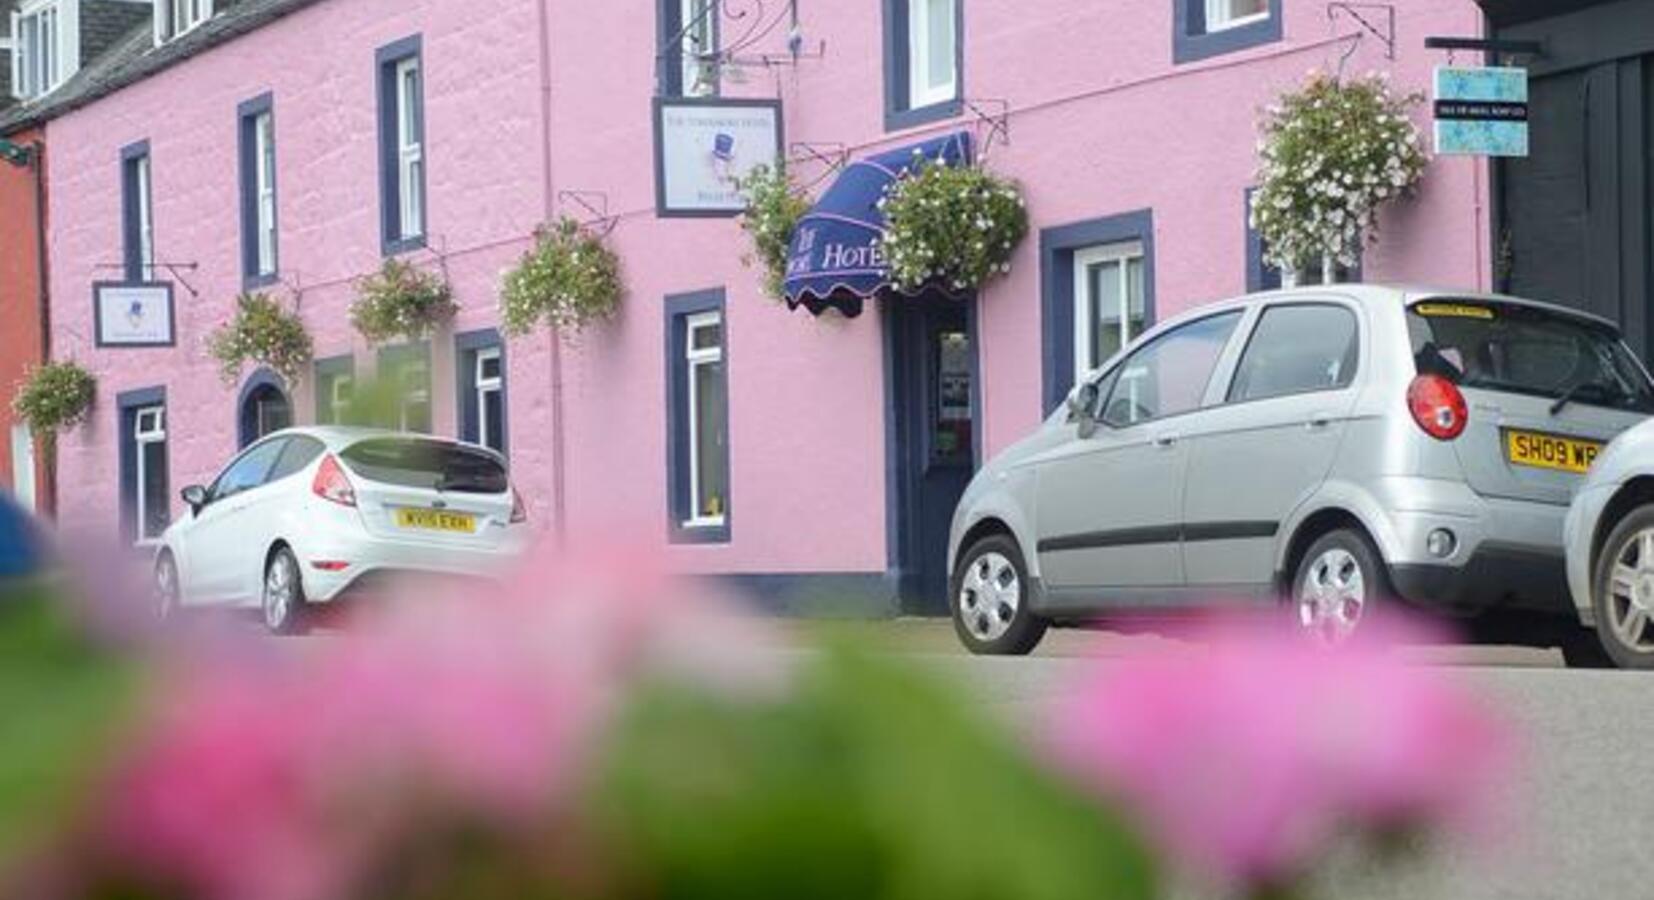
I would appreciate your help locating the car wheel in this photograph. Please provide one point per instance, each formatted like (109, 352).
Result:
(1339, 580)
(1623, 591)
(989, 592)
(285, 611)
(166, 591)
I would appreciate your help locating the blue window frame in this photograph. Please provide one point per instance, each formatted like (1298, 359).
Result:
(479, 360)
(686, 44)
(1202, 29)
(146, 494)
(1261, 276)
(404, 211)
(407, 368)
(256, 141)
(137, 213)
(697, 418)
(924, 61)
(1059, 249)
(335, 388)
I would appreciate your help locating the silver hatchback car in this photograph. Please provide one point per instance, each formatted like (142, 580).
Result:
(1337, 447)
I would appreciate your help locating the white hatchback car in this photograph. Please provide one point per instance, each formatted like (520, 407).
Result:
(307, 515)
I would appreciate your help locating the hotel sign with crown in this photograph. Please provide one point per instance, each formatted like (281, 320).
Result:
(704, 146)
(133, 315)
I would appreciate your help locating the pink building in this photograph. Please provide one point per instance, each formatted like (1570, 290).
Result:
(291, 145)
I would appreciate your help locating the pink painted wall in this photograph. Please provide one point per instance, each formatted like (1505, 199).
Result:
(1101, 123)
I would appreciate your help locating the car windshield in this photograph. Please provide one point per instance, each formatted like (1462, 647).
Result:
(432, 465)
(1527, 350)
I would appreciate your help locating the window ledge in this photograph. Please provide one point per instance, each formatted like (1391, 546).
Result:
(701, 532)
(1243, 34)
(400, 246)
(255, 282)
(902, 119)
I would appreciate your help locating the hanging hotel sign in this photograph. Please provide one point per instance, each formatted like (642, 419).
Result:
(704, 146)
(132, 315)
(1481, 111)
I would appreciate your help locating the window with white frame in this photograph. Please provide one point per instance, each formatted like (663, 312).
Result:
(489, 384)
(1109, 301)
(45, 46)
(707, 418)
(174, 18)
(151, 506)
(1222, 15)
(264, 180)
(138, 211)
(410, 150)
(23, 466)
(697, 21)
(932, 34)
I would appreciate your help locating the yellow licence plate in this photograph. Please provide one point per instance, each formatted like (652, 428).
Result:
(1548, 451)
(436, 520)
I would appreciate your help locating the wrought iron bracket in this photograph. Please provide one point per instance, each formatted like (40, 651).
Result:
(831, 155)
(595, 207)
(175, 269)
(992, 120)
(1376, 19)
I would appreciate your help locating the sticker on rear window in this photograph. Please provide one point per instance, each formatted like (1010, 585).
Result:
(1453, 310)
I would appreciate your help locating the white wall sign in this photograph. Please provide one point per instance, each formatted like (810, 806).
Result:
(704, 145)
(132, 315)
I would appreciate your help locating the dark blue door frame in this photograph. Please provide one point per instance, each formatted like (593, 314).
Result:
(923, 483)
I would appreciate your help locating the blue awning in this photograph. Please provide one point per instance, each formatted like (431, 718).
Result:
(835, 259)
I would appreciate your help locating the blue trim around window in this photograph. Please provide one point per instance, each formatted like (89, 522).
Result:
(127, 404)
(327, 370)
(898, 111)
(1260, 276)
(669, 58)
(390, 198)
(1191, 42)
(679, 307)
(131, 239)
(466, 347)
(246, 416)
(247, 113)
(1057, 248)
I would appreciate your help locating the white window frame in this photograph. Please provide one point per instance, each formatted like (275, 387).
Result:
(697, 44)
(1121, 252)
(337, 401)
(41, 67)
(1220, 17)
(920, 53)
(148, 427)
(142, 175)
(488, 385)
(23, 466)
(171, 14)
(694, 359)
(410, 148)
(413, 392)
(264, 165)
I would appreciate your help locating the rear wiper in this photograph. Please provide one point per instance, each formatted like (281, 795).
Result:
(1579, 390)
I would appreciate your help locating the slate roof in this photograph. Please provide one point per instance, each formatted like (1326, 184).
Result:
(133, 56)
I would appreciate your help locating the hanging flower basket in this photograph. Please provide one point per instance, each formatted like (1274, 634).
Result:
(570, 280)
(951, 226)
(401, 301)
(53, 397)
(1332, 154)
(774, 207)
(262, 333)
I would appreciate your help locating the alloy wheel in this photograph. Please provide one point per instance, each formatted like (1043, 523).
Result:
(1333, 596)
(279, 588)
(166, 588)
(989, 596)
(1631, 593)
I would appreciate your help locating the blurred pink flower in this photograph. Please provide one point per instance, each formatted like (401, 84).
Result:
(1248, 753)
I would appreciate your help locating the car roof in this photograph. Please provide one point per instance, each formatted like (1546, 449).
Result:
(1404, 295)
(340, 437)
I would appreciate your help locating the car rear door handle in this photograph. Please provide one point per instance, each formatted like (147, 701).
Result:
(1318, 421)
(1165, 441)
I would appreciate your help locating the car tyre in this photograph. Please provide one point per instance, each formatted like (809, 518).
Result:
(166, 592)
(988, 596)
(285, 610)
(1622, 592)
(1341, 581)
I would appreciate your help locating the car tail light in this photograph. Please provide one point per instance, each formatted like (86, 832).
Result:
(332, 484)
(1438, 406)
(519, 512)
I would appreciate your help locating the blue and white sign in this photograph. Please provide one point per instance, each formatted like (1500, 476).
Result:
(704, 146)
(1481, 111)
(132, 315)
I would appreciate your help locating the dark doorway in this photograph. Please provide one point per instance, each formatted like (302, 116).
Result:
(932, 436)
(265, 410)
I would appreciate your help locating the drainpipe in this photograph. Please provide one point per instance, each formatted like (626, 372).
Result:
(37, 162)
(548, 210)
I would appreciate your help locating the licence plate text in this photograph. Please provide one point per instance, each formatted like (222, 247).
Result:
(1548, 451)
(436, 520)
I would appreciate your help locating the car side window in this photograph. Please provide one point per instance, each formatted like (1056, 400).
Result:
(300, 452)
(247, 472)
(1299, 348)
(1169, 375)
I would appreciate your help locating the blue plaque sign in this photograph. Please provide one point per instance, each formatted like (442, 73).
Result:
(1481, 111)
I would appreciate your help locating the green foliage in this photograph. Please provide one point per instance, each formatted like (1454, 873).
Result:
(867, 781)
(569, 280)
(53, 397)
(401, 301)
(263, 333)
(1332, 154)
(952, 226)
(774, 206)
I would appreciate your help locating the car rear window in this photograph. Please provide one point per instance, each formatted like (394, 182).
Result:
(432, 465)
(1527, 350)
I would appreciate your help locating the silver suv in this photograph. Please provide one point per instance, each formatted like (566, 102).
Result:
(1337, 447)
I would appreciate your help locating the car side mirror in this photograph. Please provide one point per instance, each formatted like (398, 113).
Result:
(196, 496)
(1082, 407)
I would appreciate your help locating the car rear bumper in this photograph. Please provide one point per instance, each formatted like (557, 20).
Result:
(369, 561)
(1493, 577)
